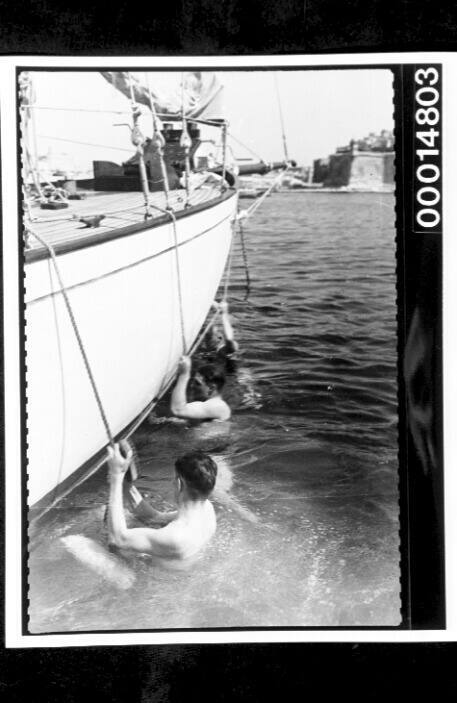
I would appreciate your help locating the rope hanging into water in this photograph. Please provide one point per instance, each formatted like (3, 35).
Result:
(245, 215)
(229, 264)
(215, 315)
(203, 334)
(245, 258)
(82, 349)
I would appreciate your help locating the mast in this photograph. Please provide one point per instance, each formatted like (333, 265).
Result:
(281, 117)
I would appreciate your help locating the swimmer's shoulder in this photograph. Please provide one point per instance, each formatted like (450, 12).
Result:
(191, 535)
(219, 408)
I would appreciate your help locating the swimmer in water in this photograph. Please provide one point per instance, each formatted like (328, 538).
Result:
(186, 530)
(229, 346)
(206, 387)
(222, 348)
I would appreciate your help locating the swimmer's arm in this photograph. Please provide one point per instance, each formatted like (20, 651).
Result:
(211, 409)
(140, 539)
(228, 330)
(145, 511)
(178, 397)
(230, 344)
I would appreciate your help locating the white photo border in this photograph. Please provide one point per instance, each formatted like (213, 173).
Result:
(14, 586)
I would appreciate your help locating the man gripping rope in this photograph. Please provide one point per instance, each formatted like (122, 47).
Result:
(186, 530)
(222, 348)
(206, 387)
(207, 382)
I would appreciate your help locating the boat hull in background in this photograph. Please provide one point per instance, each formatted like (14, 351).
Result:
(124, 294)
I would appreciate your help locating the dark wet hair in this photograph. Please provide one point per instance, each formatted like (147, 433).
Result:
(213, 375)
(199, 472)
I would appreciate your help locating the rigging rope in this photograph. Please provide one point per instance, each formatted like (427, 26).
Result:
(158, 141)
(224, 155)
(34, 147)
(256, 204)
(284, 141)
(235, 139)
(185, 143)
(98, 400)
(228, 269)
(245, 215)
(203, 334)
(32, 170)
(229, 264)
(138, 141)
(73, 141)
(75, 216)
(68, 218)
(79, 109)
(171, 214)
(166, 115)
(245, 258)
(178, 275)
(213, 318)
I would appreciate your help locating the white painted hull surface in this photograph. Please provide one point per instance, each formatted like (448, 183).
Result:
(124, 294)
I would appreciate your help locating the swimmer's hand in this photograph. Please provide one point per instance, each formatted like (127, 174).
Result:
(185, 365)
(119, 458)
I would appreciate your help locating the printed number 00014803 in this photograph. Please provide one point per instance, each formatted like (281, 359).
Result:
(428, 172)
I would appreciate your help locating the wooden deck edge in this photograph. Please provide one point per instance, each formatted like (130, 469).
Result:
(85, 241)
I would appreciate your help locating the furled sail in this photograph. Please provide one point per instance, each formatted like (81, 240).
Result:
(199, 93)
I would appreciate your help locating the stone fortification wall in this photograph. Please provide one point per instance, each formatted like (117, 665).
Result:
(354, 169)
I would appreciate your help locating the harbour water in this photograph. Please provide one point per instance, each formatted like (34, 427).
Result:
(307, 501)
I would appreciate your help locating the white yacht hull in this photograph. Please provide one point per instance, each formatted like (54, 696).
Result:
(124, 294)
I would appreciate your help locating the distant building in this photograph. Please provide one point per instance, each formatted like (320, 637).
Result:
(321, 168)
(365, 164)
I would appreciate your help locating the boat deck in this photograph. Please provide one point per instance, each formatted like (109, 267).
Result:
(120, 210)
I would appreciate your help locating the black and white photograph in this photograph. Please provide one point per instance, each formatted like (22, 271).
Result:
(210, 340)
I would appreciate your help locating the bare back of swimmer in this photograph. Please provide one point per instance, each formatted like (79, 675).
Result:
(187, 530)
